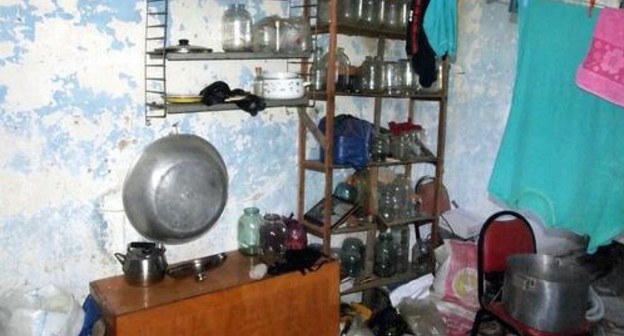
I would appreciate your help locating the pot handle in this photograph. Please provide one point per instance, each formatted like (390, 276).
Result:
(120, 257)
(596, 310)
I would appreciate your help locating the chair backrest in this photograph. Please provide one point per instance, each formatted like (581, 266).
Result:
(504, 234)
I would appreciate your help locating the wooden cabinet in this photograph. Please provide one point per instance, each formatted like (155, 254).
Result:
(226, 303)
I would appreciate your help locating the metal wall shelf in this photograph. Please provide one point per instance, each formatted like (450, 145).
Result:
(193, 108)
(226, 56)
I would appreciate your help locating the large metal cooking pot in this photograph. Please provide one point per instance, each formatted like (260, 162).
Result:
(546, 292)
(176, 189)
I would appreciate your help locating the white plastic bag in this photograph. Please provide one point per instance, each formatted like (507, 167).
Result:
(41, 312)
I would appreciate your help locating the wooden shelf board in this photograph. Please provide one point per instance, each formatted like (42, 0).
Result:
(419, 95)
(353, 29)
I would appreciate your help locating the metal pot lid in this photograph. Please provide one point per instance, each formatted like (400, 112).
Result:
(184, 48)
(176, 190)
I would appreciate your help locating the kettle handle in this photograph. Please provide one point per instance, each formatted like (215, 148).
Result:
(120, 257)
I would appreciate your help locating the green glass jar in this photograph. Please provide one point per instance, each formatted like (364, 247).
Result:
(249, 225)
(385, 264)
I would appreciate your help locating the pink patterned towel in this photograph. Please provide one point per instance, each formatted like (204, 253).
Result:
(602, 72)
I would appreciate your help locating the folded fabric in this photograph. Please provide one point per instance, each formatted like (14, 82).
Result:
(602, 72)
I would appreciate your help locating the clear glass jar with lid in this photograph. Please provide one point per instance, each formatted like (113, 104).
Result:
(236, 26)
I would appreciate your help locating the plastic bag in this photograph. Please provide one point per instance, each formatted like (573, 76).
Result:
(41, 312)
(422, 317)
(352, 140)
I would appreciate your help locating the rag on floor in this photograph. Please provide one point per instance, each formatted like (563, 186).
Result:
(561, 152)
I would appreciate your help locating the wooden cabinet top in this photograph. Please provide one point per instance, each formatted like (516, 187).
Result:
(118, 298)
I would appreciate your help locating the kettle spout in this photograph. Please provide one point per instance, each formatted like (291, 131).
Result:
(120, 257)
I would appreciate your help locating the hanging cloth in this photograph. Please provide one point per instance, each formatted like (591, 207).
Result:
(417, 45)
(561, 153)
(602, 72)
(440, 26)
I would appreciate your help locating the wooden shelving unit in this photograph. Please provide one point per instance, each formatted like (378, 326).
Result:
(330, 96)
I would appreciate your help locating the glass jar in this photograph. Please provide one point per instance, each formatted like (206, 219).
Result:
(391, 15)
(381, 147)
(296, 234)
(406, 76)
(402, 187)
(347, 11)
(318, 72)
(236, 26)
(351, 264)
(264, 34)
(421, 256)
(399, 147)
(390, 77)
(385, 261)
(404, 10)
(386, 204)
(343, 65)
(400, 236)
(369, 16)
(249, 224)
(353, 244)
(323, 11)
(371, 74)
(273, 237)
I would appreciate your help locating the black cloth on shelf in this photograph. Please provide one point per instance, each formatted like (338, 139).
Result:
(218, 92)
(298, 260)
(417, 45)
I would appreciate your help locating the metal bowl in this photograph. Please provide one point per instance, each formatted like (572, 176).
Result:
(176, 189)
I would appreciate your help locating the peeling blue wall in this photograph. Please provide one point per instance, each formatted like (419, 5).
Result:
(71, 122)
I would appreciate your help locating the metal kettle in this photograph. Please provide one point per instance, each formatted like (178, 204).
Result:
(144, 263)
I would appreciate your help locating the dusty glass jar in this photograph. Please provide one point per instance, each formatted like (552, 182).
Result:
(371, 74)
(273, 237)
(385, 263)
(249, 224)
(236, 26)
(369, 16)
(400, 235)
(343, 65)
(391, 15)
(421, 256)
(318, 72)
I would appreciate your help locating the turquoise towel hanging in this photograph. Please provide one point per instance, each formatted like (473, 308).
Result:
(562, 153)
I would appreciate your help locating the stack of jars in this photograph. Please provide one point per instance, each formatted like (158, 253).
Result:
(268, 236)
(389, 77)
(390, 15)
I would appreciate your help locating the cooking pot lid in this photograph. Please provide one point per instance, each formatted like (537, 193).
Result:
(183, 48)
(176, 189)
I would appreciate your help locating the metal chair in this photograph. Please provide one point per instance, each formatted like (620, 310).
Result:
(504, 234)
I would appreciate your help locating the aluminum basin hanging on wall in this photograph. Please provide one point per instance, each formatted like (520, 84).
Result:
(176, 189)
